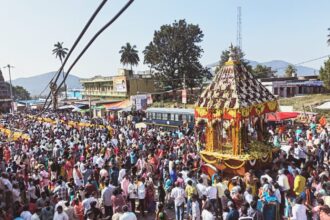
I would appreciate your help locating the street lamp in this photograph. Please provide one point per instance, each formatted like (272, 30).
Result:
(11, 88)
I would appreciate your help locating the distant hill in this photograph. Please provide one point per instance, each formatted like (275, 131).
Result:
(35, 84)
(279, 66)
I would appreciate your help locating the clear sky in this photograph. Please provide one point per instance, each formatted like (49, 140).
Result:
(290, 30)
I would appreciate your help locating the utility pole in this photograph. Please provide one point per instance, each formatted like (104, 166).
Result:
(8, 66)
(239, 28)
(184, 92)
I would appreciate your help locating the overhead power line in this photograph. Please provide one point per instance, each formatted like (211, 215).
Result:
(89, 22)
(122, 10)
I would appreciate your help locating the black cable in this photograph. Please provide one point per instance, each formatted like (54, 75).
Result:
(46, 87)
(93, 39)
(89, 22)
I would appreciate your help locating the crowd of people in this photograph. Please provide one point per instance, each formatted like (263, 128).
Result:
(112, 170)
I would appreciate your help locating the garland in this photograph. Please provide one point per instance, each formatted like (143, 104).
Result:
(209, 161)
(264, 160)
(253, 162)
(234, 168)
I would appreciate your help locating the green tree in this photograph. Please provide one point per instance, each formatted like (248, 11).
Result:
(60, 52)
(20, 93)
(325, 74)
(129, 55)
(174, 54)
(262, 71)
(290, 71)
(238, 55)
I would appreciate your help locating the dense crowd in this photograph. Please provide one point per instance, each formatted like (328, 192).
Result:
(123, 173)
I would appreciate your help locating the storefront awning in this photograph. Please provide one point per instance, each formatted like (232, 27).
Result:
(118, 105)
(280, 116)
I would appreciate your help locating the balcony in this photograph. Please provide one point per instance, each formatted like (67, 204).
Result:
(104, 93)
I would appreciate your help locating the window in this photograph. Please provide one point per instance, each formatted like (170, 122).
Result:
(172, 118)
(176, 117)
(184, 118)
(275, 91)
(159, 116)
(180, 118)
(164, 116)
(153, 115)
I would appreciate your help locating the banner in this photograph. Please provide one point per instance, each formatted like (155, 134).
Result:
(140, 101)
(120, 84)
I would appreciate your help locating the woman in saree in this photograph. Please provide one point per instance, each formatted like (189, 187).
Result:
(69, 168)
(271, 206)
(7, 154)
(150, 197)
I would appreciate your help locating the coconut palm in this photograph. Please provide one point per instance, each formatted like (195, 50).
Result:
(60, 52)
(290, 71)
(129, 55)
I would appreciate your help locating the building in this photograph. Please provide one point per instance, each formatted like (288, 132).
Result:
(72, 94)
(293, 86)
(121, 86)
(5, 100)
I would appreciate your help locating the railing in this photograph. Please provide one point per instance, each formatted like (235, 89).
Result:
(104, 93)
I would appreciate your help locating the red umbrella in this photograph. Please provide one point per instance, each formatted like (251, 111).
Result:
(280, 116)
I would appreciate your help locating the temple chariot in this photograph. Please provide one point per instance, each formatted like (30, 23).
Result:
(232, 109)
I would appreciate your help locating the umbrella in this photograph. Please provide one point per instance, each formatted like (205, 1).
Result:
(140, 125)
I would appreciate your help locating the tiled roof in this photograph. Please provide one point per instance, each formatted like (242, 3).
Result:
(233, 87)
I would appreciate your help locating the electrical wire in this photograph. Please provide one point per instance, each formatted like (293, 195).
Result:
(89, 22)
(123, 9)
(46, 87)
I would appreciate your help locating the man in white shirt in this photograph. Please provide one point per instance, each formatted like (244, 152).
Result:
(132, 194)
(141, 190)
(299, 210)
(248, 195)
(221, 187)
(87, 202)
(178, 194)
(26, 214)
(106, 198)
(266, 175)
(100, 162)
(212, 195)
(127, 215)
(122, 173)
(201, 189)
(283, 181)
(60, 215)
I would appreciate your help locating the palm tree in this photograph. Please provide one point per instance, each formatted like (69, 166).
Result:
(290, 71)
(60, 53)
(129, 55)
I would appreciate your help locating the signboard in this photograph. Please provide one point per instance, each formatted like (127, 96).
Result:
(140, 101)
(120, 84)
(149, 99)
(184, 96)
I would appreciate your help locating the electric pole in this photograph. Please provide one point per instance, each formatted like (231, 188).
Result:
(184, 92)
(239, 28)
(8, 66)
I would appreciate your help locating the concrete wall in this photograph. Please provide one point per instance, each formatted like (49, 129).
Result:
(141, 85)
